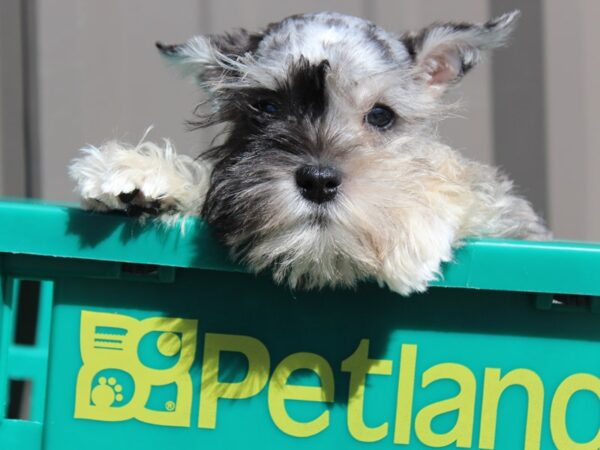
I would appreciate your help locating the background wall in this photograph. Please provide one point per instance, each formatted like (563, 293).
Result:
(74, 72)
(12, 102)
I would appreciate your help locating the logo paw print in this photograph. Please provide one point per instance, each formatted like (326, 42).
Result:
(106, 392)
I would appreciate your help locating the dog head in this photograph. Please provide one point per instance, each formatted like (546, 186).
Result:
(325, 115)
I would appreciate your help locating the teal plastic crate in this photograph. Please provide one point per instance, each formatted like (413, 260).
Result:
(151, 339)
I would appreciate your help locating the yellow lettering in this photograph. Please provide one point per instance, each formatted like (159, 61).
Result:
(558, 412)
(280, 391)
(406, 388)
(464, 402)
(359, 365)
(493, 388)
(211, 389)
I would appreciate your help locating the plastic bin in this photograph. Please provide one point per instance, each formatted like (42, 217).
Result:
(151, 339)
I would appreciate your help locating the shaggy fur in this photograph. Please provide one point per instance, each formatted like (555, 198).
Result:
(142, 178)
(307, 93)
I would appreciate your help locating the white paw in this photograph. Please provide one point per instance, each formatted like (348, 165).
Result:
(407, 281)
(412, 264)
(140, 180)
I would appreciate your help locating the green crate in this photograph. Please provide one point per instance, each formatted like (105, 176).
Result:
(149, 338)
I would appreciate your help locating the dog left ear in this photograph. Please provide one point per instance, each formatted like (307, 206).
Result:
(208, 57)
(444, 52)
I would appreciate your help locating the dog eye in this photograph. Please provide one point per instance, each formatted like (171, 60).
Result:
(267, 107)
(380, 116)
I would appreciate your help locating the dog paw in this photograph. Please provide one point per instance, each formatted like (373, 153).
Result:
(410, 267)
(405, 282)
(137, 204)
(146, 180)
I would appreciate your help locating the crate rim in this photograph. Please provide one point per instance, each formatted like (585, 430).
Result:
(33, 227)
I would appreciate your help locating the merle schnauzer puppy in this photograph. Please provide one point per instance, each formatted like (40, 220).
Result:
(330, 170)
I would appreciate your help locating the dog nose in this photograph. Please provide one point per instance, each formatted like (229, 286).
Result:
(318, 184)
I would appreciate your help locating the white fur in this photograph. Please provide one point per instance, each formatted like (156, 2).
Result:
(317, 40)
(403, 210)
(177, 182)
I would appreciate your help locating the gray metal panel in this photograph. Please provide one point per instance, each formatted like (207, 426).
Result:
(100, 77)
(591, 81)
(572, 117)
(12, 138)
(258, 13)
(519, 103)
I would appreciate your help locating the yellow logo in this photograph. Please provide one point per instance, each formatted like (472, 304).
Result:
(139, 369)
(118, 381)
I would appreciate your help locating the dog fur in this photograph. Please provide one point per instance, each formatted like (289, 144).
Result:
(314, 91)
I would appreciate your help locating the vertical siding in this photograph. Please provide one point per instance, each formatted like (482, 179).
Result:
(257, 13)
(12, 112)
(518, 79)
(573, 135)
(591, 81)
(100, 77)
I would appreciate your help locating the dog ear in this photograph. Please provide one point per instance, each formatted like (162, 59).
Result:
(444, 52)
(208, 57)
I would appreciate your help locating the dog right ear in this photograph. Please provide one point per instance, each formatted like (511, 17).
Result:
(209, 57)
(444, 52)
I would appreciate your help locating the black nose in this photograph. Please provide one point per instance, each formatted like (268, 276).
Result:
(318, 184)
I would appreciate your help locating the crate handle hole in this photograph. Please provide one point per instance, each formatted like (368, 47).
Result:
(28, 305)
(568, 303)
(147, 272)
(19, 400)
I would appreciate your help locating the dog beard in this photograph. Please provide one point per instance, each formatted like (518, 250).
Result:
(256, 208)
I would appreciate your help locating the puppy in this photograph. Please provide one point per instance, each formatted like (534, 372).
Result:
(330, 170)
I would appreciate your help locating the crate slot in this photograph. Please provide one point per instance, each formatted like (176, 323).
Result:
(19, 399)
(147, 272)
(28, 305)
(568, 303)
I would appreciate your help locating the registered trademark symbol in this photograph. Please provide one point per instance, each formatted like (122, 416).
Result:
(170, 405)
